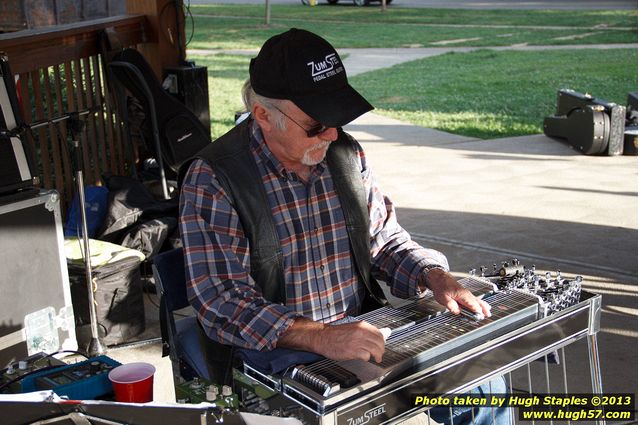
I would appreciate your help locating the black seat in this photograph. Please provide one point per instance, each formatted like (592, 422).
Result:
(176, 133)
(181, 337)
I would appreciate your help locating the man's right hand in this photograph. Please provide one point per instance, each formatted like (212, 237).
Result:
(355, 340)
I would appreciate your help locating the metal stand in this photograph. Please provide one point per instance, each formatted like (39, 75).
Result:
(95, 347)
(75, 125)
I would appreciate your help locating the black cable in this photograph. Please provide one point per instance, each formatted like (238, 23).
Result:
(177, 40)
(178, 10)
(19, 378)
(67, 351)
(190, 13)
(150, 300)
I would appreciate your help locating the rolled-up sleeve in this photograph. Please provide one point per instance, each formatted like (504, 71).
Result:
(229, 305)
(396, 258)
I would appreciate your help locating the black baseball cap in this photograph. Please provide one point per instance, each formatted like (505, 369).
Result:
(302, 67)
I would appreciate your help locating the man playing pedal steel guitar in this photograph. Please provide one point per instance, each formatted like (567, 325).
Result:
(286, 230)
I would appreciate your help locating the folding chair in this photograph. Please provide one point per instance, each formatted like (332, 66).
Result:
(180, 337)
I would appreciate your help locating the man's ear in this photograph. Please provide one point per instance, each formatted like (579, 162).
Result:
(263, 117)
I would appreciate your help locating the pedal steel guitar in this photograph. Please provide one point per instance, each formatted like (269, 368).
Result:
(432, 351)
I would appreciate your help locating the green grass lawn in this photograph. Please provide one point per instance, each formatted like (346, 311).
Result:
(490, 94)
(242, 33)
(482, 94)
(343, 13)
(242, 26)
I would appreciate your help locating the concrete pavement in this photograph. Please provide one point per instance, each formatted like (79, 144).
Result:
(534, 198)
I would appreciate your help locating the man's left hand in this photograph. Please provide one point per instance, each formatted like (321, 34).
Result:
(449, 293)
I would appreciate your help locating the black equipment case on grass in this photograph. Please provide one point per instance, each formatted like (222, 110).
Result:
(631, 127)
(593, 126)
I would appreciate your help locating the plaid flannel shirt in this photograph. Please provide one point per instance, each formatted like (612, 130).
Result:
(318, 265)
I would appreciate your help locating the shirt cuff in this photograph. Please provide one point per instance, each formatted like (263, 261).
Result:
(266, 327)
(423, 278)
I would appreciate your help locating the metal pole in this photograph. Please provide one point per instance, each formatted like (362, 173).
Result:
(594, 367)
(267, 12)
(95, 347)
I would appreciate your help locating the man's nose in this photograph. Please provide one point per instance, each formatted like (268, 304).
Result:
(329, 135)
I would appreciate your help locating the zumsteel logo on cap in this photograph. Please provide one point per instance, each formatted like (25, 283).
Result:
(326, 68)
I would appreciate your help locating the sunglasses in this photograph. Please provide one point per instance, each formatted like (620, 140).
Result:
(313, 131)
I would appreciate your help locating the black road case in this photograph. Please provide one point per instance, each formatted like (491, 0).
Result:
(36, 313)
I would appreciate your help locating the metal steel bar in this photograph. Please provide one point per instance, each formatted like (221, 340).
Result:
(549, 390)
(529, 382)
(512, 416)
(492, 409)
(594, 366)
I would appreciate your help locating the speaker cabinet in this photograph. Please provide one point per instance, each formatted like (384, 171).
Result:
(189, 84)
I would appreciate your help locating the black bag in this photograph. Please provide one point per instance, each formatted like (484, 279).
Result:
(119, 298)
(149, 236)
(135, 219)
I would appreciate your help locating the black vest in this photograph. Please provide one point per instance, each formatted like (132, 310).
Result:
(231, 160)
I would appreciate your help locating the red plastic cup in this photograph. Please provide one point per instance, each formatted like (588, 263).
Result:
(133, 382)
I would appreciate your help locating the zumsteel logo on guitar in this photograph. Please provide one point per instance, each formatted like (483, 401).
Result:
(367, 416)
